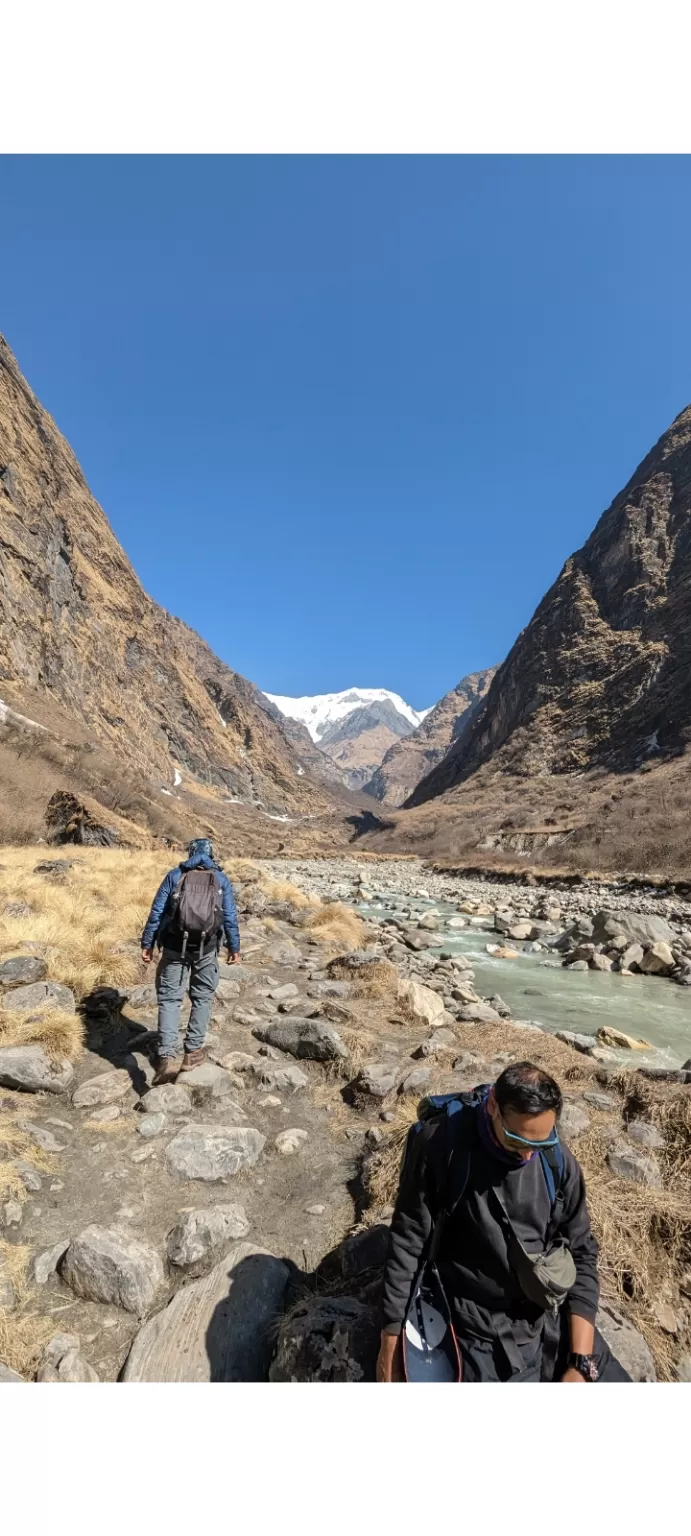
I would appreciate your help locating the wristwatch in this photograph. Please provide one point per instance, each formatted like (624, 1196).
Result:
(586, 1364)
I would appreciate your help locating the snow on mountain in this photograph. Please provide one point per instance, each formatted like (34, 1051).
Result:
(320, 711)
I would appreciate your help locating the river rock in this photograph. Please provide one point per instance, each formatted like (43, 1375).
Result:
(290, 1141)
(308, 1039)
(422, 1004)
(658, 960)
(200, 1234)
(639, 929)
(600, 962)
(631, 957)
(616, 1038)
(31, 1069)
(327, 1338)
(429, 921)
(22, 970)
(167, 1099)
(213, 1153)
(582, 1043)
(628, 1163)
(40, 994)
(104, 1089)
(478, 1013)
(103, 1264)
(220, 1328)
(521, 931)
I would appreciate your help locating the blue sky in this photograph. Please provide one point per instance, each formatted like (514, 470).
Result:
(348, 416)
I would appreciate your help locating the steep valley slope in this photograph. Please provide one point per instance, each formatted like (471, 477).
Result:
(579, 753)
(413, 758)
(88, 655)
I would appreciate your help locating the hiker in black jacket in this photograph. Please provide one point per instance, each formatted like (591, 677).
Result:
(501, 1334)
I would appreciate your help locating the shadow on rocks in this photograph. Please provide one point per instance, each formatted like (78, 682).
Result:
(332, 1319)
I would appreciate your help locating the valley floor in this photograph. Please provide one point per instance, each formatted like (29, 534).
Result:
(126, 1221)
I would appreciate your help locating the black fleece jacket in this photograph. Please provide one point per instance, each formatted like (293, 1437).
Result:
(472, 1258)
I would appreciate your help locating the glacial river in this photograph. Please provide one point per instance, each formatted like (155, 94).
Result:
(538, 990)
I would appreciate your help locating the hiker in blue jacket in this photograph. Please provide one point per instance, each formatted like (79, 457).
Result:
(191, 911)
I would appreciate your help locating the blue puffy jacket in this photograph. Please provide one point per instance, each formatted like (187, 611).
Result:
(162, 906)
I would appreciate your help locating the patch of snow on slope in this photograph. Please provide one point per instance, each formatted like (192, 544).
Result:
(321, 710)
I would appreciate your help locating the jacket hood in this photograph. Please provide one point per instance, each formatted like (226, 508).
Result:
(199, 861)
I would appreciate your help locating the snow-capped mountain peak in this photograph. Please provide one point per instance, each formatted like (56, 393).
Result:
(321, 711)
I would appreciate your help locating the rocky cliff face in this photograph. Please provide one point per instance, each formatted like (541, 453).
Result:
(602, 674)
(410, 760)
(78, 631)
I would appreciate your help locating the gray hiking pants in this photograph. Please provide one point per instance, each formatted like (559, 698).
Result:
(172, 978)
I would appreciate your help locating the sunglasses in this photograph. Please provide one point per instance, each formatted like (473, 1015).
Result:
(522, 1141)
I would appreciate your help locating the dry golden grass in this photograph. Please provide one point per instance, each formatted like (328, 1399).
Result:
(23, 1335)
(16, 1144)
(60, 1033)
(378, 980)
(88, 927)
(334, 923)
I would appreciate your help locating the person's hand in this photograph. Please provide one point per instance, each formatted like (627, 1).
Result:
(572, 1375)
(387, 1368)
(147, 956)
(233, 959)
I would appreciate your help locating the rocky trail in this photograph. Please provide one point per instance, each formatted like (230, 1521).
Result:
(233, 1226)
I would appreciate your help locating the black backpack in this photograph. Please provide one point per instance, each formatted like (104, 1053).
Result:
(197, 914)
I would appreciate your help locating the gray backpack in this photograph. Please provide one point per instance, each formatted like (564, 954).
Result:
(197, 908)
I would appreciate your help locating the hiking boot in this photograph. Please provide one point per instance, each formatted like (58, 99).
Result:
(192, 1059)
(167, 1068)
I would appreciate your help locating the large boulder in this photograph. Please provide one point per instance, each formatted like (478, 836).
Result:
(39, 995)
(607, 1035)
(213, 1153)
(422, 1004)
(327, 1338)
(658, 960)
(30, 1068)
(636, 927)
(201, 1234)
(627, 1345)
(307, 1039)
(219, 1328)
(108, 1265)
(22, 970)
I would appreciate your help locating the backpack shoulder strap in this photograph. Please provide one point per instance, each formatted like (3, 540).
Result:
(554, 1169)
(457, 1168)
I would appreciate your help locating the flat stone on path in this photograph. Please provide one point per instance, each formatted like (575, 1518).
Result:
(31, 1069)
(283, 993)
(376, 1079)
(168, 1099)
(309, 1039)
(213, 1152)
(107, 1265)
(22, 970)
(415, 1080)
(46, 1263)
(149, 1126)
(41, 1137)
(216, 1329)
(207, 1081)
(290, 1141)
(107, 1088)
(201, 1233)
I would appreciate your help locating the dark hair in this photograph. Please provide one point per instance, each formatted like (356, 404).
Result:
(528, 1090)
